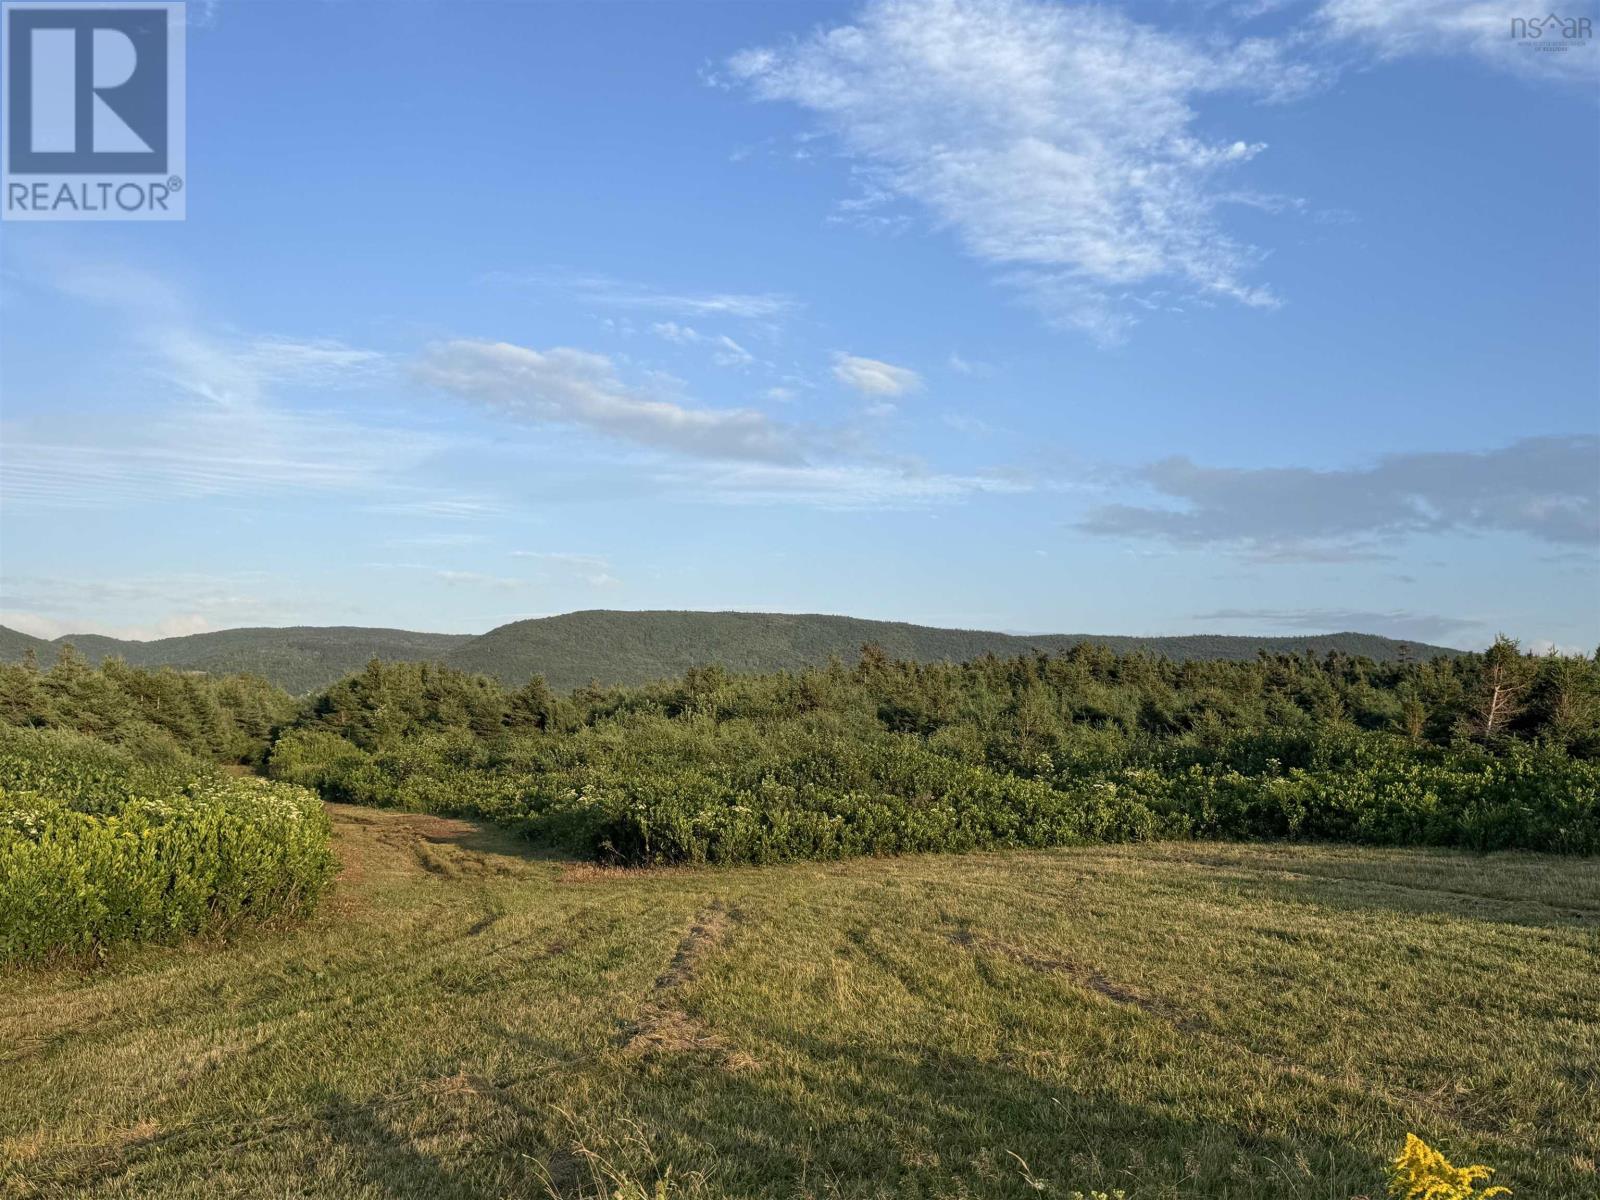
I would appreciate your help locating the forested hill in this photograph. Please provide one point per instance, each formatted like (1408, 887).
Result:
(633, 647)
(300, 658)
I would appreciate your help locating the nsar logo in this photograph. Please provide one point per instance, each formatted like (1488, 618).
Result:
(94, 112)
(1552, 31)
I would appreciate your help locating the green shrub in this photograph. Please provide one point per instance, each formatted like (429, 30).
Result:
(896, 757)
(97, 848)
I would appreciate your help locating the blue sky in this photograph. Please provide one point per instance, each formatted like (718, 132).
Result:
(1154, 318)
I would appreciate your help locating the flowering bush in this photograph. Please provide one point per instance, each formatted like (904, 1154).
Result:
(96, 848)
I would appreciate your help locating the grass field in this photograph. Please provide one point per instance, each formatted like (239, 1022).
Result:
(465, 1018)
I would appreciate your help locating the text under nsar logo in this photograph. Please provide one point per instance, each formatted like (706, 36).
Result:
(93, 124)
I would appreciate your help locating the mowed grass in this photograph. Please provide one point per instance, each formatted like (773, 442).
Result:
(466, 1018)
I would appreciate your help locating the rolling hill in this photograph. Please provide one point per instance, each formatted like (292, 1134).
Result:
(14, 645)
(299, 658)
(632, 647)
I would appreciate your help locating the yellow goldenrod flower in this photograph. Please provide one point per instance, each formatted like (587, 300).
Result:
(1422, 1173)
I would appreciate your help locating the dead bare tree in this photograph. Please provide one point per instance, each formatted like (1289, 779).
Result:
(1504, 679)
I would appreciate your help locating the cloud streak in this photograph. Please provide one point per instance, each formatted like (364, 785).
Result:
(189, 452)
(605, 291)
(578, 389)
(841, 486)
(1542, 488)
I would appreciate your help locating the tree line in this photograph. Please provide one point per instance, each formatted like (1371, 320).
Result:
(1494, 749)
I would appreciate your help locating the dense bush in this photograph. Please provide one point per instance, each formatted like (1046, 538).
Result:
(98, 847)
(1487, 751)
(893, 757)
(1531, 799)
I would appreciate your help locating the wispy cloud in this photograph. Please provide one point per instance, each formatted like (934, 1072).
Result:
(845, 486)
(478, 579)
(725, 352)
(209, 424)
(449, 507)
(874, 378)
(1057, 142)
(182, 348)
(575, 388)
(1543, 488)
(962, 365)
(187, 452)
(438, 541)
(605, 291)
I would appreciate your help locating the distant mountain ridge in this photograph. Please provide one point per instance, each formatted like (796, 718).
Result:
(613, 646)
(300, 658)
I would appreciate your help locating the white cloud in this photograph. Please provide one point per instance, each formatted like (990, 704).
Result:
(1056, 142)
(874, 378)
(673, 332)
(576, 388)
(728, 353)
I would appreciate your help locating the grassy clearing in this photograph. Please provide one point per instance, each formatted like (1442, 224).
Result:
(466, 1019)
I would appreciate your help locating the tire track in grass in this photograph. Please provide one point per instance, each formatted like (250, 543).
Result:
(661, 1027)
(1127, 997)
